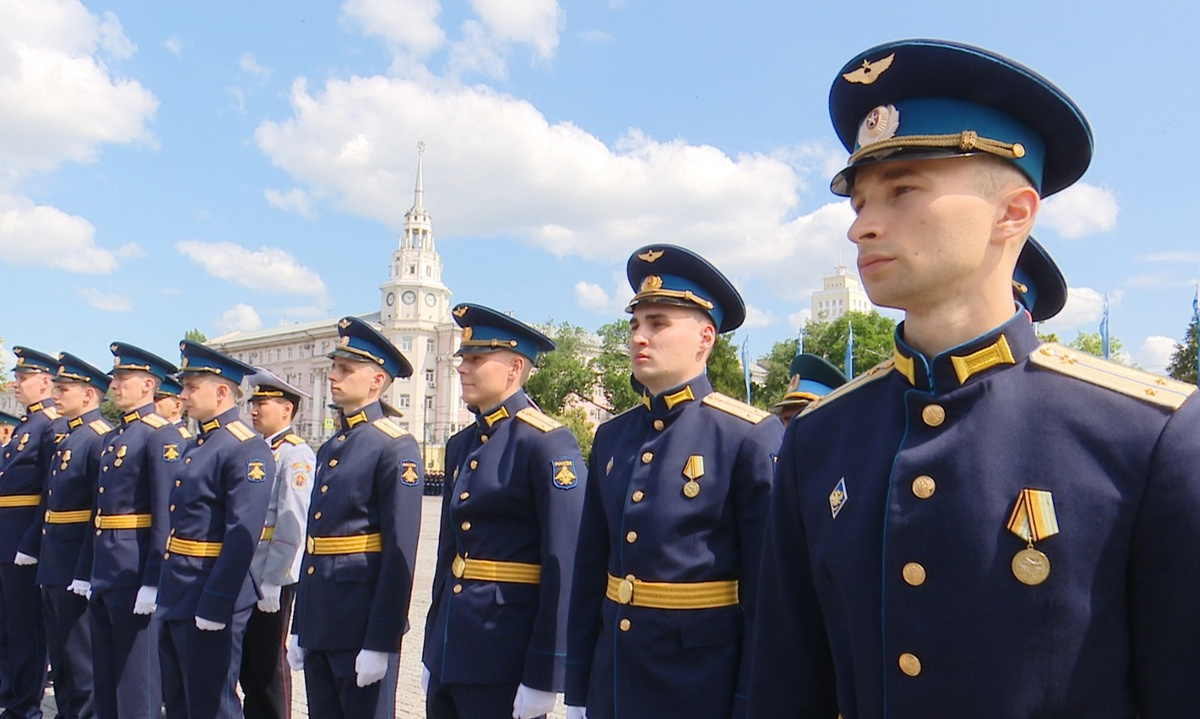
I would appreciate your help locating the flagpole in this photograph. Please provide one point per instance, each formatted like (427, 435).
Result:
(746, 364)
(1196, 319)
(848, 361)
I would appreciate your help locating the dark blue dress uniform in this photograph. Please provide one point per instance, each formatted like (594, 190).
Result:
(667, 561)
(66, 523)
(218, 502)
(1008, 528)
(27, 461)
(363, 524)
(510, 519)
(124, 550)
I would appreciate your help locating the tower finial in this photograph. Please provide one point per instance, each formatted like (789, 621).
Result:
(418, 204)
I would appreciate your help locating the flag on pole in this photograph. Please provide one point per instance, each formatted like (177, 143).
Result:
(848, 363)
(746, 364)
(1104, 344)
(1196, 318)
(800, 342)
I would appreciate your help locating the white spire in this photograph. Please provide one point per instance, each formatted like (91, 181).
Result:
(419, 194)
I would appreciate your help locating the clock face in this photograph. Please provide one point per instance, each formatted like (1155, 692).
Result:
(430, 299)
(391, 299)
(409, 297)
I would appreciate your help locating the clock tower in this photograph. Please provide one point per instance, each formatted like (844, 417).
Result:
(413, 292)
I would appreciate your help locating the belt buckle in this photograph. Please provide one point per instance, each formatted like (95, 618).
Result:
(625, 590)
(458, 567)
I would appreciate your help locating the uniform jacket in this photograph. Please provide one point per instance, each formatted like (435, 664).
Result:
(277, 560)
(136, 471)
(888, 584)
(70, 488)
(220, 494)
(369, 479)
(515, 495)
(27, 463)
(638, 521)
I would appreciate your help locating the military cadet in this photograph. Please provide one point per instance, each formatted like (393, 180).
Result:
(811, 377)
(983, 525)
(265, 678)
(667, 563)
(510, 518)
(8, 423)
(168, 405)
(363, 524)
(67, 520)
(26, 464)
(218, 504)
(121, 558)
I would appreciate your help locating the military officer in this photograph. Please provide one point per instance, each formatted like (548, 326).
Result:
(811, 377)
(510, 518)
(8, 423)
(363, 523)
(168, 405)
(120, 560)
(27, 461)
(218, 504)
(265, 678)
(67, 519)
(667, 563)
(983, 525)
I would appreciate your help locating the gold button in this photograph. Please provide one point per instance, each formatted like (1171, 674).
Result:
(101, 490)
(166, 555)
(933, 415)
(483, 438)
(333, 463)
(631, 537)
(43, 530)
(200, 441)
(659, 424)
(639, 495)
(105, 468)
(311, 570)
(914, 574)
(474, 463)
(178, 482)
(324, 488)
(317, 515)
(187, 460)
(924, 486)
(909, 664)
(466, 526)
(50, 492)
(97, 532)
(464, 496)
(172, 508)
(458, 589)
(625, 625)
(646, 457)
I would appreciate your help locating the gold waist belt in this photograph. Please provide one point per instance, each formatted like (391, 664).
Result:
(354, 544)
(674, 595)
(76, 516)
(193, 548)
(490, 571)
(122, 521)
(267, 533)
(20, 500)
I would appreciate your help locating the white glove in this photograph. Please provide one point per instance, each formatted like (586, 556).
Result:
(206, 625)
(295, 652)
(531, 703)
(370, 666)
(145, 601)
(576, 712)
(81, 587)
(424, 679)
(270, 601)
(24, 560)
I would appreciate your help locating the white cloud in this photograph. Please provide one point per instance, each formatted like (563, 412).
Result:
(409, 26)
(798, 319)
(268, 269)
(174, 45)
(240, 317)
(1083, 311)
(106, 301)
(1080, 210)
(595, 37)
(294, 200)
(129, 252)
(591, 296)
(58, 100)
(250, 65)
(44, 236)
(1155, 353)
(531, 22)
(756, 317)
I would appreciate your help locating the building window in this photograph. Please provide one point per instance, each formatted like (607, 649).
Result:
(406, 344)
(429, 377)
(429, 345)
(404, 401)
(412, 269)
(429, 404)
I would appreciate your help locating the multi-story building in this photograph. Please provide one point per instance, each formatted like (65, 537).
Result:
(842, 293)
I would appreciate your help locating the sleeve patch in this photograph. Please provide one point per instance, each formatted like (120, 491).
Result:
(170, 453)
(256, 470)
(409, 476)
(565, 476)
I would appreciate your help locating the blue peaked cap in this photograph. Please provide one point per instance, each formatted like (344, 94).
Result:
(73, 369)
(30, 360)
(197, 359)
(486, 330)
(129, 357)
(667, 274)
(360, 341)
(1038, 284)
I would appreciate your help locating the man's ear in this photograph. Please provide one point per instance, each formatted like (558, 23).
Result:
(1017, 211)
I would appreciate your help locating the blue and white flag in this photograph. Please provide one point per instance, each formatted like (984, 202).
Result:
(1104, 344)
(848, 363)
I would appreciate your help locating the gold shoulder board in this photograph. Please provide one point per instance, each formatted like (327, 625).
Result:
(155, 421)
(879, 371)
(388, 427)
(735, 407)
(51, 412)
(185, 432)
(99, 426)
(538, 419)
(291, 438)
(1147, 387)
(239, 430)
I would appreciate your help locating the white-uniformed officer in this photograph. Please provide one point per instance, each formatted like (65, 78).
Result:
(510, 519)
(363, 524)
(265, 677)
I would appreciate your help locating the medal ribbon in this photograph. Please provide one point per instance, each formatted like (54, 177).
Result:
(1033, 518)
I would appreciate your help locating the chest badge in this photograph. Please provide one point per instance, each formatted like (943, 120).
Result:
(693, 469)
(1033, 519)
(838, 497)
(256, 470)
(564, 473)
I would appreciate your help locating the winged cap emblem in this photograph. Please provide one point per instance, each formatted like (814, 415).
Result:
(870, 71)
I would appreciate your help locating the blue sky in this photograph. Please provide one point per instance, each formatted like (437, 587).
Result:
(225, 165)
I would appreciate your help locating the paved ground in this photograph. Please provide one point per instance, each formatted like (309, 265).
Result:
(410, 701)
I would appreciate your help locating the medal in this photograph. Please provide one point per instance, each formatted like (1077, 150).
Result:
(1030, 566)
(693, 469)
(1033, 519)
(691, 488)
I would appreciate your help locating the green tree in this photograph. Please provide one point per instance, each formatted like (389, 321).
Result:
(1183, 360)
(1090, 342)
(779, 373)
(724, 369)
(195, 335)
(576, 420)
(1049, 337)
(873, 339)
(612, 367)
(564, 373)
(110, 411)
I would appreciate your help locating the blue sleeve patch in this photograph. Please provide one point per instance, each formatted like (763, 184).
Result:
(565, 476)
(409, 476)
(170, 452)
(256, 470)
